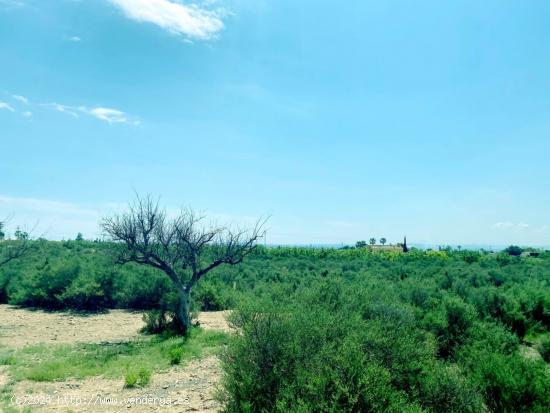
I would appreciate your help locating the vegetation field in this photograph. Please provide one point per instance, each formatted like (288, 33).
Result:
(312, 330)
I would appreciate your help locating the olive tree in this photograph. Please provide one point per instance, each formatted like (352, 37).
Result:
(183, 247)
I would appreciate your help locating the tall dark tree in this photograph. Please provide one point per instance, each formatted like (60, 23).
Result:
(372, 241)
(185, 247)
(360, 244)
(383, 241)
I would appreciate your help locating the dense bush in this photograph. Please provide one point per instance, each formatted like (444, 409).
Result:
(509, 382)
(368, 355)
(451, 323)
(543, 347)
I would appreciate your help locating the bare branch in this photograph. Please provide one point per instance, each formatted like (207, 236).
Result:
(185, 248)
(13, 249)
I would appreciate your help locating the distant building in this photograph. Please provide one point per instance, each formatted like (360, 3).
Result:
(393, 248)
(380, 248)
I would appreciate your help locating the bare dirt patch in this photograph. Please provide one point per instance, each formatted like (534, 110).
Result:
(214, 320)
(3, 376)
(185, 388)
(20, 327)
(181, 389)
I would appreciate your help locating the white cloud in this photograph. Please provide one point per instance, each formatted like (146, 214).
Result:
(63, 109)
(510, 225)
(75, 39)
(503, 225)
(107, 114)
(5, 106)
(21, 99)
(177, 18)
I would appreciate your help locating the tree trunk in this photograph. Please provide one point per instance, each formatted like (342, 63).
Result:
(182, 319)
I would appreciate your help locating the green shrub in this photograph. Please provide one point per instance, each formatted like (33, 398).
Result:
(447, 389)
(510, 383)
(156, 322)
(451, 323)
(141, 378)
(141, 288)
(44, 286)
(7, 360)
(144, 377)
(208, 298)
(543, 347)
(91, 291)
(175, 355)
(130, 380)
(366, 357)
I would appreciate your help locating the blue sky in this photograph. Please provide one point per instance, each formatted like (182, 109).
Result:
(340, 120)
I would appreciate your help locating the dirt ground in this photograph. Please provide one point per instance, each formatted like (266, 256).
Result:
(188, 388)
(20, 328)
(181, 389)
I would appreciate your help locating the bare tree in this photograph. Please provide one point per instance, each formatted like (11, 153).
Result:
(185, 248)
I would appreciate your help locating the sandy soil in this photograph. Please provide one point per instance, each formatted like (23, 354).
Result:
(188, 388)
(3, 376)
(20, 328)
(181, 389)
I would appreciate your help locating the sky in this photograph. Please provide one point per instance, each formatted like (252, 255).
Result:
(341, 121)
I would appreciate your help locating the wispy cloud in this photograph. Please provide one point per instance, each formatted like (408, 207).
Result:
(108, 115)
(21, 99)
(105, 114)
(510, 225)
(6, 106)
(177, 18)
(63, 109)
(75, 39)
